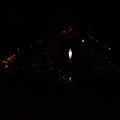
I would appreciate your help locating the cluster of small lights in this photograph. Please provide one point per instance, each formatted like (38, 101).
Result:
(67, 79)
(8, 61)
(42, 63)
(67, 31)
(97, 40)
(99, 64)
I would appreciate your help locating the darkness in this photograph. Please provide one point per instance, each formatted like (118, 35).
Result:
(32, 87)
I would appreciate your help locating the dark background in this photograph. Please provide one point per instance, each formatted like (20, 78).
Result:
(22, 23)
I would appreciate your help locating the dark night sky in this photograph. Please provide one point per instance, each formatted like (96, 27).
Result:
(29, 21)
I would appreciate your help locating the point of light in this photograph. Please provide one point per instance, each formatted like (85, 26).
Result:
(6, 66)
(82, 41)
(70, 79)
(3, 61)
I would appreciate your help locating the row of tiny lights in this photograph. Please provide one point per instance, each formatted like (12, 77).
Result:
(97, 40)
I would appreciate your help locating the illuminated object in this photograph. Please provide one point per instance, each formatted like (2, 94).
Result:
(9, 59)
(3, 62)
(82, 41)
(109, 48)
(6, 66)
(70, 54)
(70, 79)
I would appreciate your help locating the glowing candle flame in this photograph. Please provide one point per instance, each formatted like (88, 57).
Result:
(70, 53)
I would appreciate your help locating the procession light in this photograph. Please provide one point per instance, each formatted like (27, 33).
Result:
(82, 41)
(6, 66)
(70, 53)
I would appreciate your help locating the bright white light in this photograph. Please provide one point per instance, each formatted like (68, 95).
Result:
(70, 79)
(109, 48)
(70, 53)
(82, 41)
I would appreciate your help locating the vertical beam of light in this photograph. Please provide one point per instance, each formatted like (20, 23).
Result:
(70, 54)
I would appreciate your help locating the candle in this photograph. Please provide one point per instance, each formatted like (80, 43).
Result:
(70, 54)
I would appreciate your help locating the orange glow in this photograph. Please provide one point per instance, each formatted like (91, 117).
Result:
(9, 59)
